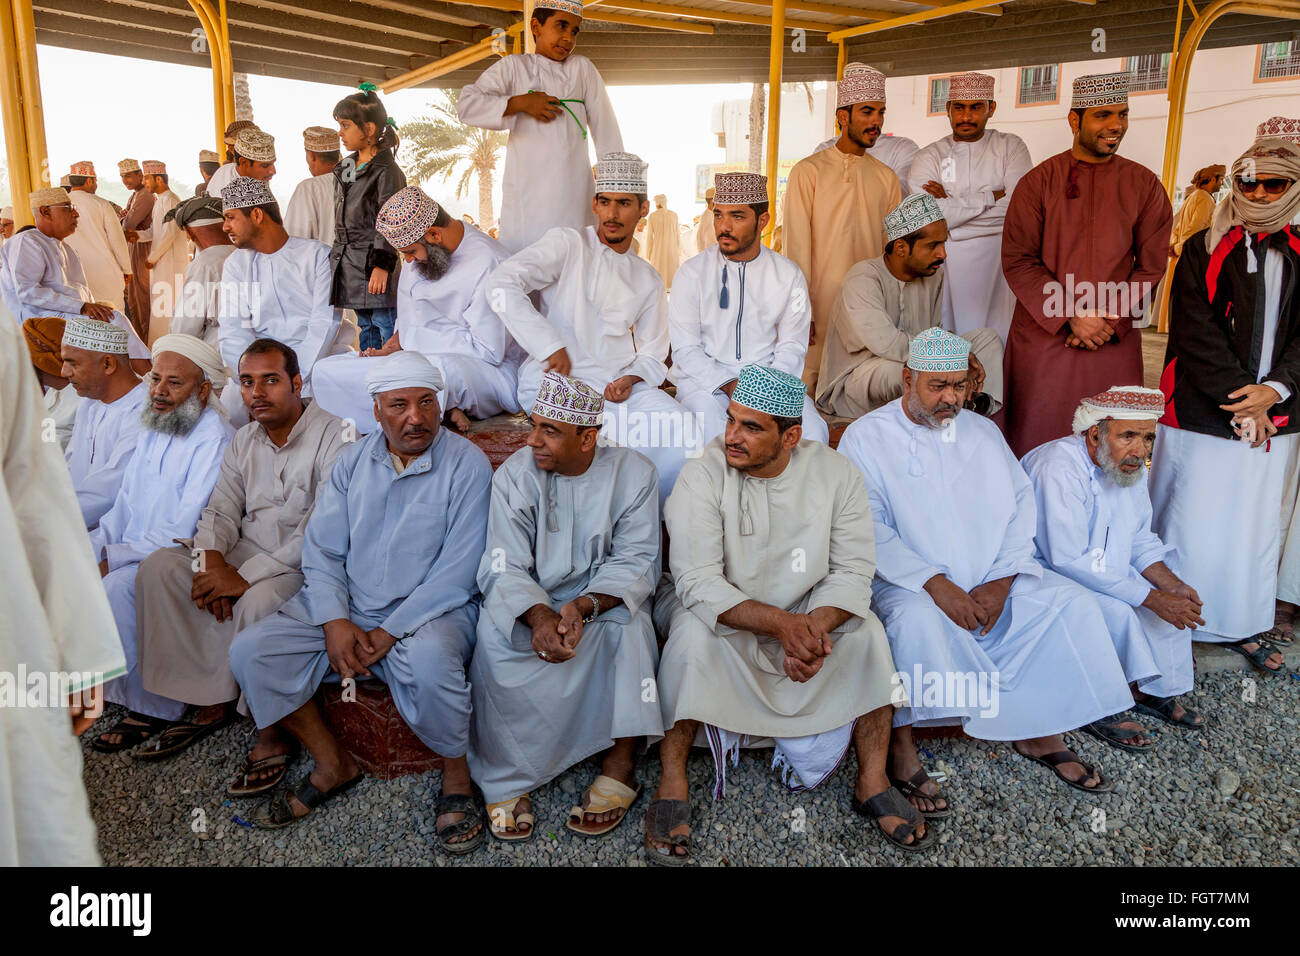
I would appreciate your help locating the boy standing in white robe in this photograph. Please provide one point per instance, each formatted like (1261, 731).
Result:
(108, 418)
(770, 633)
(972, 173)
(565, 639)
(442, 313)
(169, 254)
(100, 242)
(603, 320)
(310, 213)
(1094, 527)
(737, 303)
(167, 483)
(553, 102)
(958, 587)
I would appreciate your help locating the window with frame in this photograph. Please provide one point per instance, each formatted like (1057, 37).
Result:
(1038, 84)
(1148, 72)
(1278, 60)
(939, 86)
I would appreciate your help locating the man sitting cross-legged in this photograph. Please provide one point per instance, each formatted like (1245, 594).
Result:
(170, 477)
(770, 633)
(442, 313)
(565, 640)
(94, 357)
(1020, 653)
(1094, 527)
(388, 562)
(245, 561)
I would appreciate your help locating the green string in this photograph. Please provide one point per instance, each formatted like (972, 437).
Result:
(570, 112)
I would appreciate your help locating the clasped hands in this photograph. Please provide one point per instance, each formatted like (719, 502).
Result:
(980, 607)
(555, 634)
(352, 649)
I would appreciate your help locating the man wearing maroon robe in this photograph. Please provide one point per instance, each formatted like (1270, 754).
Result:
(1085, 242)
(137, 220)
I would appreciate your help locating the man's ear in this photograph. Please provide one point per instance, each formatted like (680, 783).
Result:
(1073, 119)
(589, 438)
(793, 435)
(205, 389)
(297, 385)
(645, 209)
(993, 108)
(763, 220)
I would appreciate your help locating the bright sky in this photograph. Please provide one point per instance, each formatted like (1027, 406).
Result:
(102, 108)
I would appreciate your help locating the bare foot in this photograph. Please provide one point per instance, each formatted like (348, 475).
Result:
(523, 805)
(458, 419)
(672, 790)
(624, 771)
(1071, 769)
(326, 780)
(865, 791)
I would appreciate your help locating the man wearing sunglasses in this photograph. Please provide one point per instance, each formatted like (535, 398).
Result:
(1232, 368)
(1085, 242)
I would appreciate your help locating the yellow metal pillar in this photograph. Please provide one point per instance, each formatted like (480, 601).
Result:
(20, 106)
(841, 59)
(1181, 65)
(776, 54)
(530, 44)
(223, 89)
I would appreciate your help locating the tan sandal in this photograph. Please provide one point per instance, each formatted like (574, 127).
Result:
(604, 794)
(502, 819)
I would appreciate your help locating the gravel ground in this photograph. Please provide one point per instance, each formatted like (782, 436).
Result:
(1227, 795)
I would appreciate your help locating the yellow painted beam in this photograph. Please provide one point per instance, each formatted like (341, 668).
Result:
(776, 55)
(29, 83)
(841, 60)
(530, 42)
(513, 6)
(839, 10)
(717, 16)
(212, 36)
(11, 110)
(448, 64)
(921, 16)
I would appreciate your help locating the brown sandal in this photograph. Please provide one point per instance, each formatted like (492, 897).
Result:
(912, 788)
(661, 818)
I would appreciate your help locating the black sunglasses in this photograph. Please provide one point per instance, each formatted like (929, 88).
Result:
(1274, 187)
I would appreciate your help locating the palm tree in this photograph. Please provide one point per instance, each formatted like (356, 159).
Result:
(440, 144)
(243, 98)
(758, 118)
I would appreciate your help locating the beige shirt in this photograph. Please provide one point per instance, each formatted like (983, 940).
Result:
(875, 316)
(265, 494)
(835, 208)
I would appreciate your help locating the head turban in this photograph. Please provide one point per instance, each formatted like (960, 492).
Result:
(49, 196)
(770, 390)
(95, 335)
(402, 369)
(196, 211)
(935, 350)
(564, 6)
(207, 358)
(1208, 173)
(44, 339)
(320, 139)
(1099, 89)
(965, 87)
(915, 212)
(564, 399)
(621, 173)
(1279, 127)
(860, 84)
(1128, 403)
(1265, 159)
(255, 145)
(244, 192)
(407, 215)
(233, 129)
(739, 189)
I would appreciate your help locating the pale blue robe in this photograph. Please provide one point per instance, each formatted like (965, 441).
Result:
(163, 492)
(552, 538)
(955, 501)
(389, 550)
(1099, 535)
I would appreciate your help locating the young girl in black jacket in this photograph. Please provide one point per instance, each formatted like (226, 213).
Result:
(364, 265)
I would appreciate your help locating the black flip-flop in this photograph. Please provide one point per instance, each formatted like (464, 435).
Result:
(277, 813)
(1108, 732)
(891, 803)
(1162, 708)
(1259, 655)
(912, 788)
(466, 804)
(181, 736)
(1053, 762)
(132, 734)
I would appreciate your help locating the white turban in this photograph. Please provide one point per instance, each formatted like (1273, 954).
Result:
(1127, 403)
(201, 354)
(402, 369)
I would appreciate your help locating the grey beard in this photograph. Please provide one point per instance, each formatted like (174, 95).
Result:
(179, 421)
(1111, 468)
(436, 265)
(917, 411)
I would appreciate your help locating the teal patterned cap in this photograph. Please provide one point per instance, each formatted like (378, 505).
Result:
(935, 350)
(770, 391)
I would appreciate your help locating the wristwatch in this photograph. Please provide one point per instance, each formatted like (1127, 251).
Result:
(595, 609)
